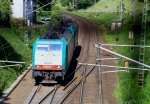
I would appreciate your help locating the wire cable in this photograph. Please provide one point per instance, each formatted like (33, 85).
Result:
(3, 50)
(39, 8)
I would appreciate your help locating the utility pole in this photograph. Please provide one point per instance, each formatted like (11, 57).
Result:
(76, 4)
(73, 4)
(26, 23)
(121, 9)
(142, 43)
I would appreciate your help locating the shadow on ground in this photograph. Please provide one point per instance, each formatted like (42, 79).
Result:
(72, 67)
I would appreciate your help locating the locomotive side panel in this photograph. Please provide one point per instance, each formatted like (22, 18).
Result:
(76, 35)
(70, 50)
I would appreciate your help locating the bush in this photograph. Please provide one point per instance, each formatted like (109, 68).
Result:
(16, 23)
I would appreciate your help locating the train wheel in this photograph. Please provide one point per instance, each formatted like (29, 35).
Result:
(59, 79)
(38, 79)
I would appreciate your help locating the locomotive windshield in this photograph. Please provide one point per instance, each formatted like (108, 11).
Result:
(43, 48)
(48, 56)
(55, 47)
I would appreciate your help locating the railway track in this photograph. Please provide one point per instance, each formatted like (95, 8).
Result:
(84, 87)
(50, 95)
(81, 84)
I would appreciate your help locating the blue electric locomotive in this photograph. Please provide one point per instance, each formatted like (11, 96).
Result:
(53, 51)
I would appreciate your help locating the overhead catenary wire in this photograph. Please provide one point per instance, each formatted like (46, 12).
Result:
(40, 8)
(3, 50)
(40, 2)
(3, 45)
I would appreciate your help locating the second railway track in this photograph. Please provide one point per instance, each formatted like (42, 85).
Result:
(80, 92)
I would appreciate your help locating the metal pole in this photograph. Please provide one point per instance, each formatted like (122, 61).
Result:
(10, 65)
(121, 45)
(121, 10)
(101, 91)
(73, 4)
(106, 59)
(108, 66)
(100, 75)
(107, 50)
(12, 62)
(82, 88)
(76, 4)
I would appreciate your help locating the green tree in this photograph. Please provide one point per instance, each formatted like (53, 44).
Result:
(57, 7)
(5, 10)
(83, 4)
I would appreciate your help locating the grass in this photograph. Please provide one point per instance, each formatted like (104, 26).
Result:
(15, 50)
(126, 90)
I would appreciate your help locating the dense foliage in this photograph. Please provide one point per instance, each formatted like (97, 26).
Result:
(5, 9)
(5, 12)
(78, 4)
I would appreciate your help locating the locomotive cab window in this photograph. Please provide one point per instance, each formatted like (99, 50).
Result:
(43, 48)
(55, 47)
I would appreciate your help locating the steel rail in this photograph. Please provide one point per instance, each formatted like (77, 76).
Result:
(47, 96)
(73, 71)
(84, 73)
(34, 94)
(85, 60)
(98, 60)
(54, 94)
(53, 90)
(76, 85)
(69, 83)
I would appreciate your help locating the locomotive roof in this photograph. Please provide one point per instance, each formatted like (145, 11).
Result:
(59, 31)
